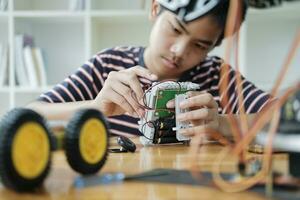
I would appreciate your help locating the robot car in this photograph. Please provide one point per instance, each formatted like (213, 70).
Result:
(26, 142)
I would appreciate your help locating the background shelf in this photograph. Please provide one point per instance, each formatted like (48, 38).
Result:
(118, 5)
(60, 15)
(41, 4)
(5, 105)
(56, 40)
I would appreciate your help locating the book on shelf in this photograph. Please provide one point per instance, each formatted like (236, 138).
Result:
(39, 66)
(30, 68)
(21, 74)
(4, 73)
(30, 65)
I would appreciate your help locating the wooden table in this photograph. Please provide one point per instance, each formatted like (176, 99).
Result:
(58, 185)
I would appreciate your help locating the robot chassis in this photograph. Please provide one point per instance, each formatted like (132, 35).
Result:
(159, 125)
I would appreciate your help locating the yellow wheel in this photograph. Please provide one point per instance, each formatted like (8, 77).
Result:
(25, 149)
(86, 141)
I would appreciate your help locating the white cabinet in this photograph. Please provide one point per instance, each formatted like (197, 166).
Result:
(61, 39)
(118, 4)
(40, 5)
(69, 37)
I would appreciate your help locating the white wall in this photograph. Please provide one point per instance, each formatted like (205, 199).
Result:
(268, 43)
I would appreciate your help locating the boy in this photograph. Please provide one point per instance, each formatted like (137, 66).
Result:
(184, 32)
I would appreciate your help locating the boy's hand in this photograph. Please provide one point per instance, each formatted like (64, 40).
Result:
(116, 96)
(203, 112)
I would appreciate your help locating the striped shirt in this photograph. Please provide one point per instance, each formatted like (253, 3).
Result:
(88, 80)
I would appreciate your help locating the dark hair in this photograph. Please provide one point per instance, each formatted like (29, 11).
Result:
(220, 13)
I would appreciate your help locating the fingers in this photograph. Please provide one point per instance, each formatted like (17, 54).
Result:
(196, 99)
(206, 130)
(199, 99)
(129, 77)
(142, 72)
(171, 104)
(122, 90)
(121, 101)
(192, 131)
(201, 129)
(126, 93)
(132, 79)
(201, 106)
(131, 83)
(198, 114)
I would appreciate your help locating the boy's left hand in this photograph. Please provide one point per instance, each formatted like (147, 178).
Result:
(202, 114)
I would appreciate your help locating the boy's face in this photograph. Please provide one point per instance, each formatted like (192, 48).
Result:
(175, 46)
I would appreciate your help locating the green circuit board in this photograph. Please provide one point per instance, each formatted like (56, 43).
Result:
(163, 96)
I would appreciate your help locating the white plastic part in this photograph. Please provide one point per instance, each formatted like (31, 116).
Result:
(180, 124)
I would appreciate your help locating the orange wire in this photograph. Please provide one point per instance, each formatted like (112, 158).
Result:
(229, 31)
(240, 96)
(260, 121)
(271, 110)
(245, 182)
(248, 182)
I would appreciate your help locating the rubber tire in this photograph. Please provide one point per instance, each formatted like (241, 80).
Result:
(8, 127)
(71, 142)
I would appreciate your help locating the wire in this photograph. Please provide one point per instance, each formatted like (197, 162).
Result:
(146, 107)
(143, 127)
(270, 113)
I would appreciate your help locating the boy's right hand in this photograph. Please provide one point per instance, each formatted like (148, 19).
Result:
(116, 96)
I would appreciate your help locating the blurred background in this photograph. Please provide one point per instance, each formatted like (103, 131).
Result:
(43, 41)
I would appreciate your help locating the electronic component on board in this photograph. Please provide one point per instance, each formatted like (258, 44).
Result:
(158, 122)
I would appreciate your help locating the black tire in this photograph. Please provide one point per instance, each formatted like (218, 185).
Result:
(74, 133)
(12, 127)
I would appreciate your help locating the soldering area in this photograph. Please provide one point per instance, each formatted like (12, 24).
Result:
(85, 157)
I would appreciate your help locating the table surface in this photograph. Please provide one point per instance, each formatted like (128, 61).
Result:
(59, 183)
